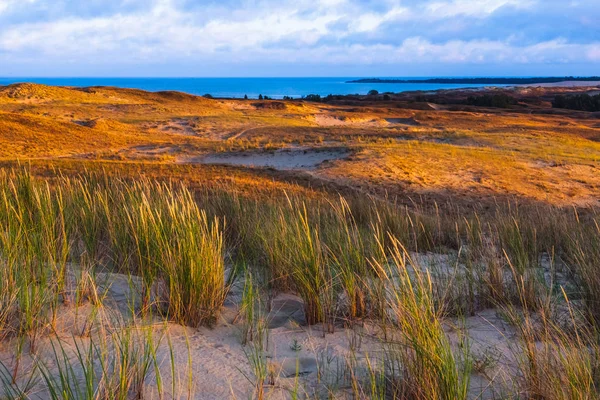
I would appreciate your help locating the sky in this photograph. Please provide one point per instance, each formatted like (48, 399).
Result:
(206, 38)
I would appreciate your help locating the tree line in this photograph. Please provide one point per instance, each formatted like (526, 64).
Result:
(582, 102)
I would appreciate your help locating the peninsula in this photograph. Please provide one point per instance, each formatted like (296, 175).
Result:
(484, 81)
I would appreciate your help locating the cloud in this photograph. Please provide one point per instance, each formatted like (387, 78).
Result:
(479, 8)
(594, 53)
(417, 50)
(371, 21)
(314, 32)
(7, 5)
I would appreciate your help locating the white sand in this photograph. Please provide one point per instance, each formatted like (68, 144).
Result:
(333, 120)
(279, 159)
(219, 367)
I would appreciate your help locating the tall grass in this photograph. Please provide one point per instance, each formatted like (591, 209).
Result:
(193, 265)
(321, 253)
(252, 310)
(116, 365)
(351, 248)
(556, 358)
(154, 230)
(421, 361)
(34, 251)
(296, 256)
(183, 247)
(583, 256)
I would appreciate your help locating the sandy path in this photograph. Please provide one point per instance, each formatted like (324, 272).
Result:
(240, 134)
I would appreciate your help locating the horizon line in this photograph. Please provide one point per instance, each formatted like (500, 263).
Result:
(292, 77)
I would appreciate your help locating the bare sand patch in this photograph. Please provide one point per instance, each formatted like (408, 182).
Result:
(179, 126)
(434, 106)
(153, 150)
(283, 159)
(342, 120)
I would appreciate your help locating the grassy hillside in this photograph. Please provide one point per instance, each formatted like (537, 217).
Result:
(396, 149)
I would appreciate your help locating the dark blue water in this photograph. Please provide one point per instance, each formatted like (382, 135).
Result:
(238, 87)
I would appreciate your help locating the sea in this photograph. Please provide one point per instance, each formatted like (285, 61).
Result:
(252, 87)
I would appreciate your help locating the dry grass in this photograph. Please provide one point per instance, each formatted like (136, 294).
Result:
(540, 157)
(471, 171)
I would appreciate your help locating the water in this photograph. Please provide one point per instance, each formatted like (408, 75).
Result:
(238, 87)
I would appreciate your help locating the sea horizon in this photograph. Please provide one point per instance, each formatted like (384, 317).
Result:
(238, 87)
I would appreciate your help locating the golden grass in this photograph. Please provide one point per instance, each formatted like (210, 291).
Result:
(425, 167)
(482, 153)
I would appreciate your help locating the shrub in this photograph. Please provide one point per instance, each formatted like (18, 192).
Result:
(496, 100)
(313, 97)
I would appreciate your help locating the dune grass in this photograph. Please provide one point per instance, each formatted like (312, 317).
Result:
(422, 363)
(148, 229)
(351, 260)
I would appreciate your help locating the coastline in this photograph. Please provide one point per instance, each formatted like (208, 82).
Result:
(275, 88)
(480, 81)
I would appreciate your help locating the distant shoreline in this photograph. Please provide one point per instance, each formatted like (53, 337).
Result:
(283, 88)
(482, 81)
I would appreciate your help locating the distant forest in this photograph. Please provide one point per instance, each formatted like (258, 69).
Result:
(483, 81)
(582, 102)
(498, 100)
(495, 100)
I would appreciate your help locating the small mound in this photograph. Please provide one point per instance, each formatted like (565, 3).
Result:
(270, 105)
(141, 96)
(172, 95)
(34, 91)
(97, 123)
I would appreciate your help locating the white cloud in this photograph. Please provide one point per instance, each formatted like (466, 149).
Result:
(475, 8)
(417, 50)
(594, 53)
(166, 29)
(286, 31)
(8, 5)
(371, 21)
